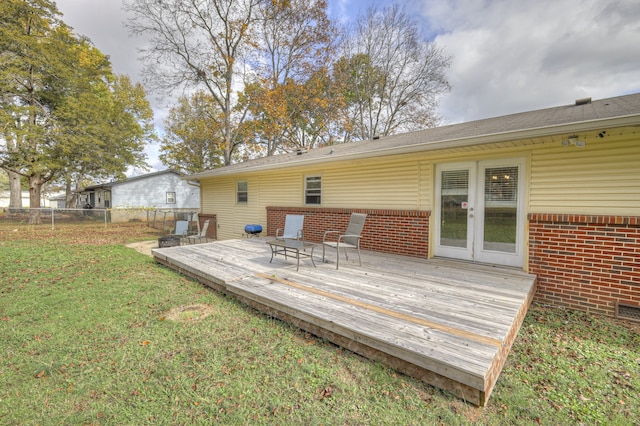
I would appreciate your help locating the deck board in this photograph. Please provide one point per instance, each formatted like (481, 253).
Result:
(452, 322)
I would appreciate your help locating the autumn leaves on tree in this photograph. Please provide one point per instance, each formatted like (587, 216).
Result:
(278, 75)
(251, 78)
(64, 116)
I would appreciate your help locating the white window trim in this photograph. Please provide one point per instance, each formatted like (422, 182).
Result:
(245, 192)
(306, 179)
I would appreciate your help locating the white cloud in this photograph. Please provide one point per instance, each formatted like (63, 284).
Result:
(508, 55)
(103, 22)
(518, 55)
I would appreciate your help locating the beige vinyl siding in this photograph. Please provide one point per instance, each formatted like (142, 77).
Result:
(377, 183)
(603, 178)
(393, 182)
(283, 188)
(219, 198)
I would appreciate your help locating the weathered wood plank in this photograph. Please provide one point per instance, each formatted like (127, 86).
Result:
(395, 313)
(346, 307)
(465, 392)
(418, 345)
(453, 307)
(449, 323)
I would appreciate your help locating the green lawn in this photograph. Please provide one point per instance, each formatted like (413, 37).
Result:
(90, 335)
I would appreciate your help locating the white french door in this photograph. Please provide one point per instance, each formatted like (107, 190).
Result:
(479, 211)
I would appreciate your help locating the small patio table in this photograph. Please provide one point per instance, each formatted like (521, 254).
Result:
(291, 246)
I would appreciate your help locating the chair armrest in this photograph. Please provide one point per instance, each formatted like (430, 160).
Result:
(301, 235)
(324, 237)
(279, 232)
(342, 237)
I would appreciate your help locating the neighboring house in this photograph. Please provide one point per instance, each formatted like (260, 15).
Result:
(163, 190)
(555, 192)
(58, 201)
(5, 198)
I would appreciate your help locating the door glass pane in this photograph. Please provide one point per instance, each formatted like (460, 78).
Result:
(500, 208)
(453, 204)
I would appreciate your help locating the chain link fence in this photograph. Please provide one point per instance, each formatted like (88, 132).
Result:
(155, 218)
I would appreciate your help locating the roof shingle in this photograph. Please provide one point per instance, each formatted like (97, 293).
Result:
(537, 123)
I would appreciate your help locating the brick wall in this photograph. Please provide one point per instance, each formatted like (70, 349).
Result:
(585, 262)
(403, 232)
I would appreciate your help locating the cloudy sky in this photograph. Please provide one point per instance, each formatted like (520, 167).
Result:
(508, 55)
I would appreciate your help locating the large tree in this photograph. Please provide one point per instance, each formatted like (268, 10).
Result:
(199, 45)
(104, 131)
(295, 46)
(391, 78)
(192, 134)
(63, 111)
(4, 182)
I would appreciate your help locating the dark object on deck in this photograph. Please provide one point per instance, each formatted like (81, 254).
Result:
(169, 241)
(252, 230)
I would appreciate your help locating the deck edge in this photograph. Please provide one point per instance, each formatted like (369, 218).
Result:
(460, 390)
(493, 373)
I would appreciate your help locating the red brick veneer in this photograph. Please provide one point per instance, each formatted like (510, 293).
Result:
(585, 262)
(403, 232)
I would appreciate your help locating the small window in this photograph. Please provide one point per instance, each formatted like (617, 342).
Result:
(242, 192)
(171, 197)
(313, 190)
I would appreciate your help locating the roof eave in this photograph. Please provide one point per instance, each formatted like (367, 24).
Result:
(544, 131)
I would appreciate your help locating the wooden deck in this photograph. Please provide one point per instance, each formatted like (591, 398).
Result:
(449, 323)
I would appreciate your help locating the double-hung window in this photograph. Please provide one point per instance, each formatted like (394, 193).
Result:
(171, 197)
(313, 190)
(242, 191)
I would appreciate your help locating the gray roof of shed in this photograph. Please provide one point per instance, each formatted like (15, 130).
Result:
(583, 115)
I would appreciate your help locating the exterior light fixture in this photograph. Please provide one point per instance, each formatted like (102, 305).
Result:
(573, 140)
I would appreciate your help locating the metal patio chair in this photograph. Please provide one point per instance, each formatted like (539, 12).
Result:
(198, 237)
(293, 224)
(182, 228)
(350, 238)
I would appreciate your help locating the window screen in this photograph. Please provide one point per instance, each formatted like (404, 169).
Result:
(242, 192)
(313, 190)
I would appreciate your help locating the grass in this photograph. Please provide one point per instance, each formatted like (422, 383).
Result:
(95, 333)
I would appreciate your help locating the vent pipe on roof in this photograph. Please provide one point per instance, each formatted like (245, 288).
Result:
(583, 101)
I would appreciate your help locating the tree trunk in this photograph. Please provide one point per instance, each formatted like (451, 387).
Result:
(15, 200)
(68, 194)
(35, 192)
